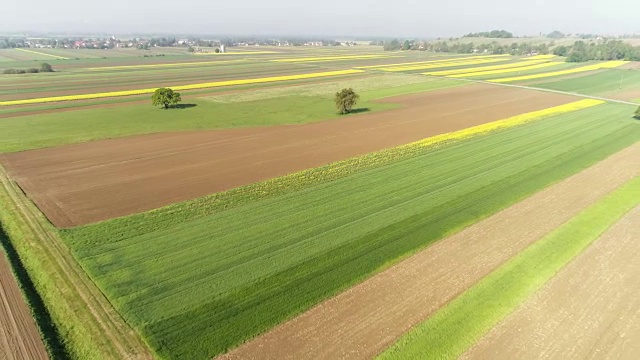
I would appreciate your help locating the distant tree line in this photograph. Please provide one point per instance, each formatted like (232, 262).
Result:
(602, 50)
(496, 34)
(45, 67)
(524, 48)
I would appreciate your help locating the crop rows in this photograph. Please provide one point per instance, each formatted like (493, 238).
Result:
(452, 330)
(598, 66)
(197, 287)
(180, 87)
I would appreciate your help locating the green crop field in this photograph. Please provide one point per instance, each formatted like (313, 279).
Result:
(199, 286)
(451, 331)
(601, 83)
(256, 108)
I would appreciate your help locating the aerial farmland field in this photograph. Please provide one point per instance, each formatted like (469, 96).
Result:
(460, 196)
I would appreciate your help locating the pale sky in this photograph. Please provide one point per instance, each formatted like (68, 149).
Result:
(402, 18)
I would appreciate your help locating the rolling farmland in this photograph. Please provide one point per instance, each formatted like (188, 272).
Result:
(253, 221)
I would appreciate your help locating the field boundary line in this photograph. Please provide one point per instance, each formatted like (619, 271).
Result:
(544, 90)
(71, 283)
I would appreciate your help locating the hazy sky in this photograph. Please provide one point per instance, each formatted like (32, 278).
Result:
(427, 18)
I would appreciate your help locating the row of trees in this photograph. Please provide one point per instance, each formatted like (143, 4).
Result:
(604, 50)
(45, 67)
(494, 34)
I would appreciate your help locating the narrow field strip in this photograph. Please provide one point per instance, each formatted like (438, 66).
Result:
(193, 63)
(457, 326)
(180, 87)
(598, 66)
(331, 58)
(237, 53)
(442, 65)
(538, 57)
(381, 309)
(485, 68)
(462, 58)
(589, 310)
(504, 71)
(41, 53)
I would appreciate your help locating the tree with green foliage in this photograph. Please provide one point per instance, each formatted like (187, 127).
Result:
(392, 45)
(345, 100)
(637, 114)
(46, 67)
(556, 35)
(165, 97)
(406, 45)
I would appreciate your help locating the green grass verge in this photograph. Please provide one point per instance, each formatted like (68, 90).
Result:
(196, 286)
(607, 81)
(457, 326)
(46, 130)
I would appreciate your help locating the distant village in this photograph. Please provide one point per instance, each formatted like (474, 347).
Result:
(146, 43)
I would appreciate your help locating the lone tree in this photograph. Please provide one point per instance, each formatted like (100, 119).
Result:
(345, 99)
(637, 114)
(165, 97)
(46, 67)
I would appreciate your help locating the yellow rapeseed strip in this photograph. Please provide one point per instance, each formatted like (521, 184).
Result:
(464, 58)
(502, 124)
(181, 87)
(331, 58)
(193, 63)
(442, 65)
(604, 65)
(491, 72)
(484, 68)
(39, 53)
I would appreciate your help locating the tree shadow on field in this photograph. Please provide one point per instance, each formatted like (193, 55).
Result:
(183, 106)
(359, 110)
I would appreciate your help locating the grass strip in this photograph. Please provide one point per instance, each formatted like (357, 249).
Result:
(457, 326)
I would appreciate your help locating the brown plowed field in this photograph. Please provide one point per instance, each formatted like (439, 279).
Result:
(85, 183)
(369, 317)
(589, 310)
(19, 336)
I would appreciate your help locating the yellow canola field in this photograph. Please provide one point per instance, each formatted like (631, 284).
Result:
(604, 65)
(504, 124)
(443, 65)
(193, 63)
(491, 72)
(40, 53)
(332, 58)
(432, 61)
(180, 87)
(485, 68)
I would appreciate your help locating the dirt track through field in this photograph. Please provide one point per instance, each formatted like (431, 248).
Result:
(85, 183)
(366, 319)
(19, 336)
(589, 310)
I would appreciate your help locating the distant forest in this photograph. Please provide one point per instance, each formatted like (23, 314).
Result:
(494, 34)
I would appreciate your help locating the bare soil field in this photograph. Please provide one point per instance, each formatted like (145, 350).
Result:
(366, 319)
(84, 183)
(590, 310)
(19, 336)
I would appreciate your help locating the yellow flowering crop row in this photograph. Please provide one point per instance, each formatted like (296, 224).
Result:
(464, 58)
(121, 67)
(40, 53)
(181, 87)
(331, 58)
(598, 66)
(498, 71)
(343, 168)
(484, 68)
(443, 64)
